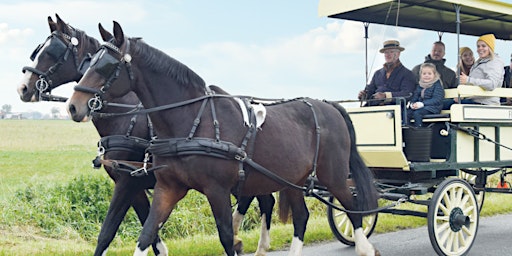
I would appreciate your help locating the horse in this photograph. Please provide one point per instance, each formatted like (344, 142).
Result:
(65, 62)
(300, 141)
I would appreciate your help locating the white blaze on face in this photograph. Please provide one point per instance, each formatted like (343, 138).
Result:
(28, 74)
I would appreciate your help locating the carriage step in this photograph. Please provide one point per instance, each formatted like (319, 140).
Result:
(393, 196)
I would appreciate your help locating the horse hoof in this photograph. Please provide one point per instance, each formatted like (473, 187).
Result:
(377, 253)
(239, 247)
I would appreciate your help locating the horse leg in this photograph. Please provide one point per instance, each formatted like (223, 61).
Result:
(117, 209)
(363, 246)
(238, 215)
(266, 203)
(141, 206)
(300, 216)
(164, 199)
(219, 199)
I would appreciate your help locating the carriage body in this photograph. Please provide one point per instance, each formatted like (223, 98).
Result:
(452, 161)
(466, 136)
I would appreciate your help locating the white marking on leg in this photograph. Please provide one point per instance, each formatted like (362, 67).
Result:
(139, 252)
(104, 253)
(363, 246)
(162, 249)
(237, 222)
(264, 242)
(296, 247)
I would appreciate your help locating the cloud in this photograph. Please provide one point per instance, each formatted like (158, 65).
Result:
(13, 35)
(308, 64)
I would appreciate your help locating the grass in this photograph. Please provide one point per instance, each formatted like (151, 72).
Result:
(52, 202)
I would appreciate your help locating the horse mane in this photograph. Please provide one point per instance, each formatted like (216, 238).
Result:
(158, 61)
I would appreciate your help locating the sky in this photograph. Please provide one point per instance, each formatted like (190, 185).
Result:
(267, 48)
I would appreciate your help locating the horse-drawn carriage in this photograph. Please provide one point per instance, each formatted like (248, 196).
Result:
(451, 160)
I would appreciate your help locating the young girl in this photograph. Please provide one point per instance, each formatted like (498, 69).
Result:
(428, 97)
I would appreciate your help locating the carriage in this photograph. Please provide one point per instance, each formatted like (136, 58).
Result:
(451, 160)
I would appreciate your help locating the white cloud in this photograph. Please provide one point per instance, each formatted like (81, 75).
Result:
(13, 35)
(313, 64)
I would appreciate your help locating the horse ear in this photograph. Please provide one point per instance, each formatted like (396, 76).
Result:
(105, 35)
(118, 34)
(52, 24)
(61, 25)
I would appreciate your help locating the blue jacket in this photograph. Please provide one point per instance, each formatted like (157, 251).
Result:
(401, 82)
(433, 97)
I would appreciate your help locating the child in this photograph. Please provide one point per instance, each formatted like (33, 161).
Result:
(428, 97)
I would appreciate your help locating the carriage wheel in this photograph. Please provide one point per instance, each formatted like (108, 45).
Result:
(342, 227)
(453, 217)
(480, 195)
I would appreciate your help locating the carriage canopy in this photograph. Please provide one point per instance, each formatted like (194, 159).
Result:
(477, 17)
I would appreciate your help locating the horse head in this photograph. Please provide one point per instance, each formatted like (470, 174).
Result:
(56, 61)
(108, 67)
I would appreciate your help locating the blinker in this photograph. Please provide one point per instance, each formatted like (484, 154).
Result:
(57, 48)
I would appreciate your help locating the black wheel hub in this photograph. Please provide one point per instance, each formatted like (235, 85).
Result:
(458, 219)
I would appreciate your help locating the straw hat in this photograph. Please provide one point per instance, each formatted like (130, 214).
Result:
(391, 44)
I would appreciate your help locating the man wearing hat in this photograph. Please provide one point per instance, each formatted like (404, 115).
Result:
(436, 56)
(392, 80)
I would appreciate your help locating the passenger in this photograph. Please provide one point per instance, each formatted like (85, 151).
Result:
(436, 56)
(466, 60)
(392, 80)
(487, 72)
(506, 82)
(428, 97)
(508, 75)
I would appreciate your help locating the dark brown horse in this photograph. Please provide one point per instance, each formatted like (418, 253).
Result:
(58, 61)
(204, 145)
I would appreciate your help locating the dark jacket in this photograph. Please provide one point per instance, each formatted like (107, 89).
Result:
(507, 77)
(432, 98)
(400, 82)
(448, 76)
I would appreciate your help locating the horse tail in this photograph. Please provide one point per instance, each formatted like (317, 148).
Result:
(367, 195)
(284, 207)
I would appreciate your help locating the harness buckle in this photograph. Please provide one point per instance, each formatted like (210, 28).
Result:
(241, 156)
(95, 103)
(143, 169)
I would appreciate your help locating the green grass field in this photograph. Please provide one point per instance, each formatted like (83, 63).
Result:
(52, 201)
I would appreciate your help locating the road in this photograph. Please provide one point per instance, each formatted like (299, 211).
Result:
(493, 237)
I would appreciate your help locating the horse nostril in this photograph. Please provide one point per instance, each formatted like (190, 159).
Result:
(72, 109)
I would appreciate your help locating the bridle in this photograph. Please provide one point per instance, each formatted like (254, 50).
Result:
(60, 51)
(109, 68)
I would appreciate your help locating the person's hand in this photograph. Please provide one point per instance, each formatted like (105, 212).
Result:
(379, 95)
(362, 95)
(417, 105)
(463, 78)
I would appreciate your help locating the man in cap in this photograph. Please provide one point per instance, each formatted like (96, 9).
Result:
(392, 80)
(436, 56)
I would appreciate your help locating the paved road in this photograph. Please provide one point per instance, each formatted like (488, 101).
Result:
(494, 237)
